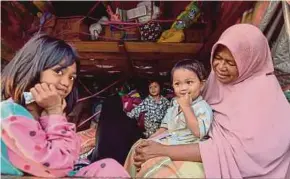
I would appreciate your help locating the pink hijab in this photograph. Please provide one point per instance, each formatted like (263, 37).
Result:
(250, 135)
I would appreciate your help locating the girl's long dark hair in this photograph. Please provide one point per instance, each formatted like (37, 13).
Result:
(40, 53)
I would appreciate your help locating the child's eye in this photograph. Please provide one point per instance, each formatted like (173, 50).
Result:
(189, 82)
(59, 72)
(176, 84)
(72, 78)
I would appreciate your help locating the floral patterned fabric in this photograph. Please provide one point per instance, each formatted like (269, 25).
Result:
(150, 31)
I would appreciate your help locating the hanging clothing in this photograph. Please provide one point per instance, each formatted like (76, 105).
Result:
(273, 19)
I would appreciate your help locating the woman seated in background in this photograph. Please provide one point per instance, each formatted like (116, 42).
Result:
(249, 137)
(36, 137)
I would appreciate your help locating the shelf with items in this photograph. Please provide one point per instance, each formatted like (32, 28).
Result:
(99, 56)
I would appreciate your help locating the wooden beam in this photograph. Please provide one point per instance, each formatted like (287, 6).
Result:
(94, 68)
(140, 47)
(163, 47)
(94, 64)
(101, 56)
(123, 49)
(134, 56)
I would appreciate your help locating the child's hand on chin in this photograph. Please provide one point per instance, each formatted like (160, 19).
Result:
(184, 101)
(44, 113)
(47, 97)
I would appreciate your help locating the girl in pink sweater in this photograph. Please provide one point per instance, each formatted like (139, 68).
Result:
(36, 137)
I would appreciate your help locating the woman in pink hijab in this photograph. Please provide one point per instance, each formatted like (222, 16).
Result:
(250, 134)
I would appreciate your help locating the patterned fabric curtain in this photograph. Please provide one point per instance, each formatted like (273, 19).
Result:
(273, 18)
(281, 48)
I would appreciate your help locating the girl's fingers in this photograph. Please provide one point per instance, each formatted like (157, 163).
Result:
(39, 89)
(35, 94)
(52, 88)
(45, 87)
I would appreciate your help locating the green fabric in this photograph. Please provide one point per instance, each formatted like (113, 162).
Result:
(287, 94)
(10, 109)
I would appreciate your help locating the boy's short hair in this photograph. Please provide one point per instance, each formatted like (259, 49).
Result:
(191, 65)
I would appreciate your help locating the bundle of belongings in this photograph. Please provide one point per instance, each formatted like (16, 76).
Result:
(130, 101)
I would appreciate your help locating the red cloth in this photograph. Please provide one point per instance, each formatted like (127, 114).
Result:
(130, 102)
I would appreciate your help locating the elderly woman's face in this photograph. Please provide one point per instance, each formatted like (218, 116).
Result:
(224, 65)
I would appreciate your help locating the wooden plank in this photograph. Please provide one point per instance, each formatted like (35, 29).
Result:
(163, 47)
(100, 46)
(95, 68)
(100, 56)
(103, 62)
(134, 56)
(140, 47)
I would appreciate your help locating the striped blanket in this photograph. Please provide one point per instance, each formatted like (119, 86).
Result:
(163, 167)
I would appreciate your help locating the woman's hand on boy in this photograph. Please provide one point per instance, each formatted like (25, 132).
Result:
(146, 150)
(46, 97)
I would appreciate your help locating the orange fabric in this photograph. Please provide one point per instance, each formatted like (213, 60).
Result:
(88, 139)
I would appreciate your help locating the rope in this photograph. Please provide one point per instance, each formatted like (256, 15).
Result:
(96, 94)
(88, 119)
(93, 8)
(87, 90)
